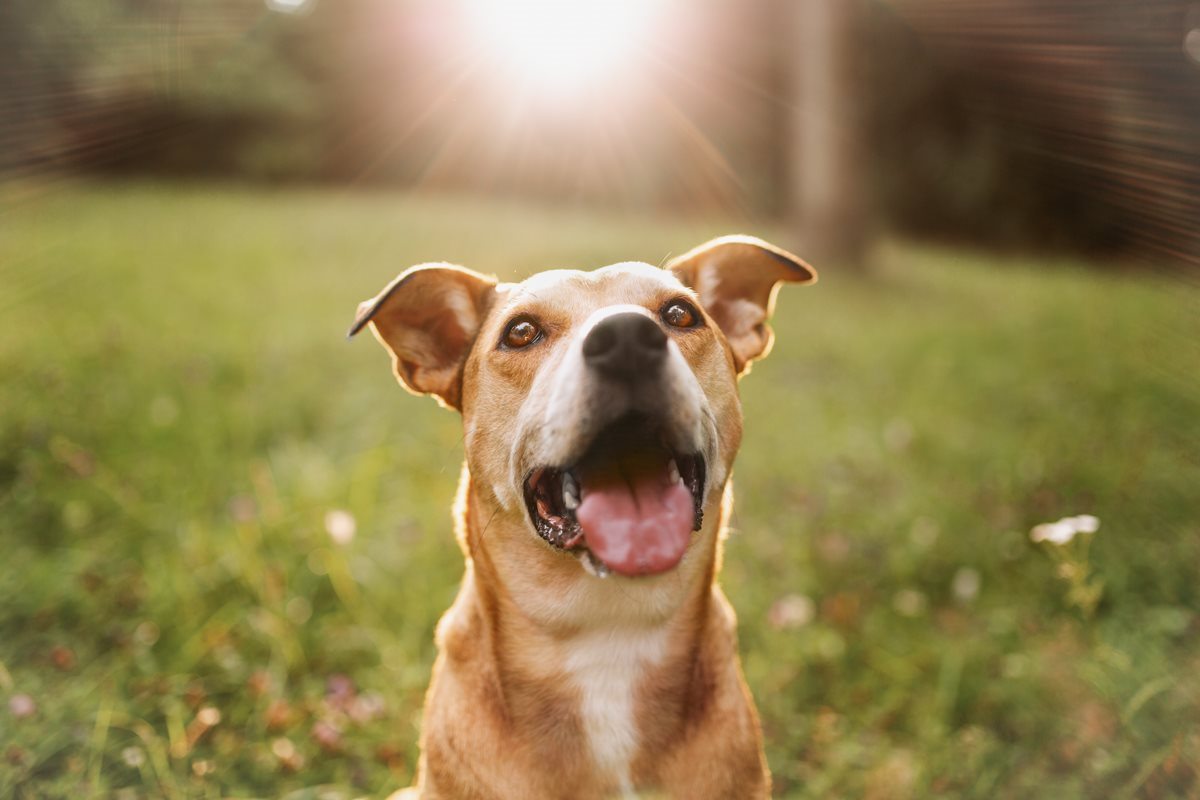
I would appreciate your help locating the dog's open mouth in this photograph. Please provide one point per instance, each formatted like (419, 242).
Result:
(631, 501)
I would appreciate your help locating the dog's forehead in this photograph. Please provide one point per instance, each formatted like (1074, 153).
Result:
(626, 282)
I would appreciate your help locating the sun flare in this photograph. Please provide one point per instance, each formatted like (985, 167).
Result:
(559, 46)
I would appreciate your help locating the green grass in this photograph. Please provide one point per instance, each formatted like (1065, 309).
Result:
(180, 411)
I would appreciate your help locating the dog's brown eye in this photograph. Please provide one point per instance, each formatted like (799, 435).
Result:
(521, 333)
(680, 314)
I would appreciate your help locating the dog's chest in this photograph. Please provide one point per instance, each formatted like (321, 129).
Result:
(607, 668)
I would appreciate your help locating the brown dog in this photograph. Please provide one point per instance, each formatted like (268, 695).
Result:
(590, 653)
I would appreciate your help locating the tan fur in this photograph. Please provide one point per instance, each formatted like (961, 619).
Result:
(551, 682)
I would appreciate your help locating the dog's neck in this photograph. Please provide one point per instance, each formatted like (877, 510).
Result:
(606, 663)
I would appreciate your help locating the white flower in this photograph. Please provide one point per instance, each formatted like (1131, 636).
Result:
(966, 584)
(791, 611)
(21, 706)
(208, 716)
(133, 756)
(1084, 523)
(1065, 529)
(340, 525)
(1053, 532)
(909, 603)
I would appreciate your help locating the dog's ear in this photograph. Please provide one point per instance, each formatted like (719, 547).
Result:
(737, 278)
(428, 318)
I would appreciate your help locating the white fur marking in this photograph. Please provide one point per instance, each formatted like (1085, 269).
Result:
(606, 666)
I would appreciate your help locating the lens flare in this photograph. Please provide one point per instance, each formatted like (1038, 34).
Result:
(559, 46)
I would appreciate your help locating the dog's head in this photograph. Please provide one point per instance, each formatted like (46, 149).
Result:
(600, 408)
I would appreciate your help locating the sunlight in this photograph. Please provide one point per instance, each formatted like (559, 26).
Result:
(560, 47)
(290, 6)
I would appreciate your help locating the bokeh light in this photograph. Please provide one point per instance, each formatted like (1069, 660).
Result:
(1191, 44)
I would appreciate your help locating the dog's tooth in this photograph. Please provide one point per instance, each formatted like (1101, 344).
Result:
(673, 469)
(570, 492)
(594, 565)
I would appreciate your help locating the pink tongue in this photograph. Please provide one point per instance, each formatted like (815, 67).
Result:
(635, 519)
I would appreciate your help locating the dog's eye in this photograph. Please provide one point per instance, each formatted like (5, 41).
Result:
(521, 332)
(680, 314)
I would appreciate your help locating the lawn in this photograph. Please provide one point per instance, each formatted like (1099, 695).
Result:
(181, 412)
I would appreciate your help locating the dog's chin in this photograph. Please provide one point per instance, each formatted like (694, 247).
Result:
(628, 504)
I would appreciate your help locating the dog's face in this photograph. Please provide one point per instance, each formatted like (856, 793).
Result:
(600, 408)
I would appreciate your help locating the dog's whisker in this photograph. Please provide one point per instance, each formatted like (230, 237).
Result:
(488, 524)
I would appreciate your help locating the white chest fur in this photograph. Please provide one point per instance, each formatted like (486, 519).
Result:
(607, 667)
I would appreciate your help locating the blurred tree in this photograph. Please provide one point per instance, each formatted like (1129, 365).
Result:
(826, 165)
(158, 85)
(1093, 111)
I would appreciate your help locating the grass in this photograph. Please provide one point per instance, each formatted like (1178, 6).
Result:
(180, 412)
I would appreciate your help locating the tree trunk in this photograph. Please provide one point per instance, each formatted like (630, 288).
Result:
(825, 173)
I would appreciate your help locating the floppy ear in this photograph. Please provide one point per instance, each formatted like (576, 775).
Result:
(737, 278)
(427, 318)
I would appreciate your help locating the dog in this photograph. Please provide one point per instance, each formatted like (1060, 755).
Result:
(590, 652)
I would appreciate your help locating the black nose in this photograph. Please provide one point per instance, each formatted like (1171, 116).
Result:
(625, 346)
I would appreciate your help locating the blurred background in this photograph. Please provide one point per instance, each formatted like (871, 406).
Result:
(1059, 124)
(226, 530)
